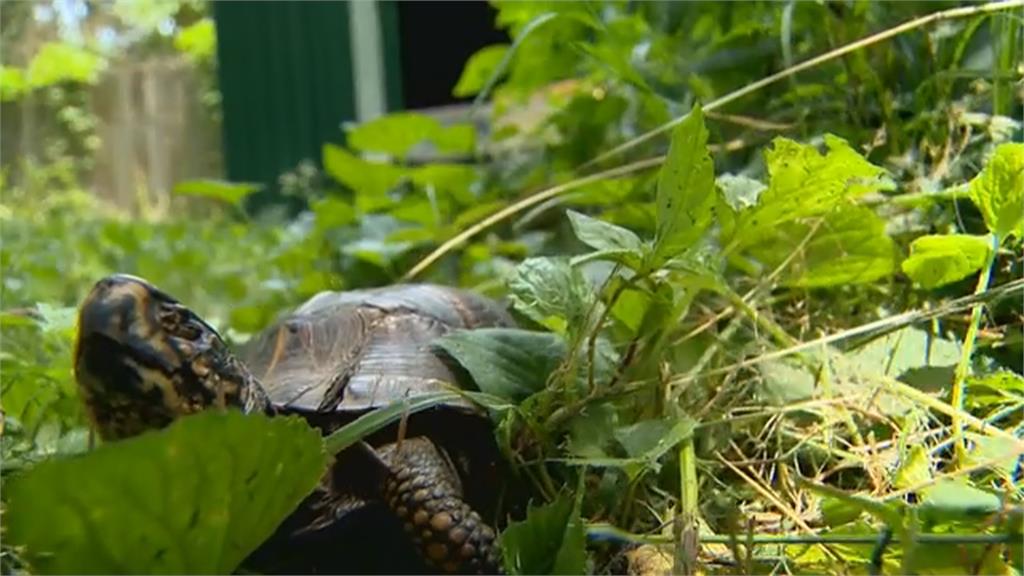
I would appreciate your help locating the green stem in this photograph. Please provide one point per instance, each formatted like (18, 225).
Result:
(688, 509)
(960, 375)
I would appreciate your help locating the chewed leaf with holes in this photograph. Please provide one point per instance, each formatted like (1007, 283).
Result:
(803, 183)
(196, 497)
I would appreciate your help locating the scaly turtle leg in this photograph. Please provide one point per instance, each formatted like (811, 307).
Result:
(424, 490)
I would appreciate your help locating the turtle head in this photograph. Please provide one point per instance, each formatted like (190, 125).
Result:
(143, 359)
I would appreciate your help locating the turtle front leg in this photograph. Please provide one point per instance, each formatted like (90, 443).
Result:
(424, 491)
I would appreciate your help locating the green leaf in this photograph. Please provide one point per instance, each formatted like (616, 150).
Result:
(506, 362)
(849, 246)
(479, 69)
(651, 439)
(897, 352)
(999, 191)
(686, 189)
(370, 181)
(936, 260)
(784, 382)
(602, 235)
(612, 242)
(955, 499)
(232, 193)
(332, 213)
(836, 512)
(803, 183)
(915, 470)
(398, 133)
(552, 293)
(549, 541)
(196, 497)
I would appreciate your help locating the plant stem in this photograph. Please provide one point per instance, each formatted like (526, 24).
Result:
(960, 375)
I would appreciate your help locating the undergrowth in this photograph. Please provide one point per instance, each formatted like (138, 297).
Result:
(789, 343)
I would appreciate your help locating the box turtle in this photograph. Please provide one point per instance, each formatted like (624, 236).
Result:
(143, 359)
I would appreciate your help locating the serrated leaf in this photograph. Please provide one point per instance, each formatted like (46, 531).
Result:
(479, 69)
(196, 497)
(999, 191)
(549, 541)
(506, 362)
(232, 193)
(686, 189)
(552, 292)
(936, 260)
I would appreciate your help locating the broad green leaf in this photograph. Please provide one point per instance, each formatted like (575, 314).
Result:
(997, 388)
(630, 308)
(506, 362)
(549, 541)
(651, 439)
(915, 470)
(849, 246)
(196, 497)
(803, 183)
(985, 449)
(785, 383)
(999, 191)
(936, 260)
(602, 235)
(552, 293)
(332, 213)
(836, 512)
(232, 193)
(897, 352)
(453, 179)
(686, 189)
(369, 180)
(955, 499)
(479, 69)
(398, 133)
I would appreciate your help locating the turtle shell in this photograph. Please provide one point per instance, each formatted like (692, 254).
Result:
(358, 350)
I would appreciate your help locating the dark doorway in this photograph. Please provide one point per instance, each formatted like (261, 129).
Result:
(435, 40)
